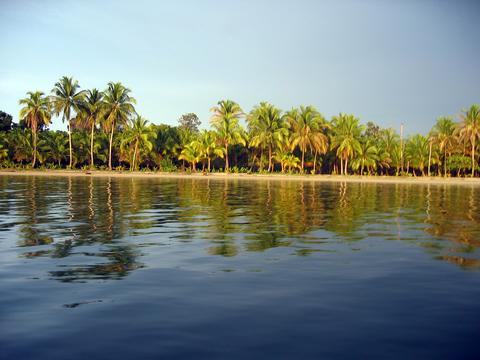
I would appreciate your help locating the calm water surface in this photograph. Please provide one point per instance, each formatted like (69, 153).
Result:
(99, 268)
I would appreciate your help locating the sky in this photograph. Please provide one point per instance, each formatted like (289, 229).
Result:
(390, 62)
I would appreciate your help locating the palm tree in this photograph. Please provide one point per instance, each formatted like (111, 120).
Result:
(192, 153)
(209, 146)
(90, 116)
(3, 145)
(469, 129)
(444, 135)
(267, 128)
(367, 156)
(307, 127)
(417, 152)
(139, 136)
(225, 121)
(21, 142)
(67, 98)
(346, 135)
(36, 114)
(118, 106)
(55, 144)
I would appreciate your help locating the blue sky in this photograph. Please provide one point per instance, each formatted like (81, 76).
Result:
(384, 61)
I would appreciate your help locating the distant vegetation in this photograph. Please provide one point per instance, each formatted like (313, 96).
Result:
(104, 131)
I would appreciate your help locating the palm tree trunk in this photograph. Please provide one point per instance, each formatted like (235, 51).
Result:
(226, 157)
(346, 166)
(269, 158)
(315, 162)
(209, 164)
(134, 155)
(429, 158)
(34, 133)
(70, 142)
(361, 170)
(303, 160)
(91, 146)
(110, 148)
(445, 163)
(194, 168)
(473, 156)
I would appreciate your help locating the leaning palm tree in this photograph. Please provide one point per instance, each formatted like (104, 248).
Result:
(90, 116)
(346, 135)
(225, 122)
(469, 129)
(67, 98)
(444, 135)
(118, 107)
(36, 114)
(307, 127)
(267, 128)
(139, 136)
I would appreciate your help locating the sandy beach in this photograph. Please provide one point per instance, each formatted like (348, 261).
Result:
(234, 176)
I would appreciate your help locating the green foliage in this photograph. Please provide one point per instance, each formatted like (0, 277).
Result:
(105, 130)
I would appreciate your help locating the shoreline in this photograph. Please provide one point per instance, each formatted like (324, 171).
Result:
(234, 176)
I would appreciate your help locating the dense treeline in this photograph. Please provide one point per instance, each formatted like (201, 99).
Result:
(105, 131)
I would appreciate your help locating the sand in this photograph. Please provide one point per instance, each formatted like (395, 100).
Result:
(284, 177)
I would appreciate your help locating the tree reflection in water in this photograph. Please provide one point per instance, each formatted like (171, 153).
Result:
(97, 220)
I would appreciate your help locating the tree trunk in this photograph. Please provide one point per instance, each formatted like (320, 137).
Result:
(361, 170)
(110, 148)
(445, 163)
(315, 162)
(226, 157)
(429, 158)
(70, 141)
(473, 156)
(269, 158)
(34, 133)
(346, 166)
(209, 164)
(303, 160)
(194, 168)
(134, 155)
(91, 146)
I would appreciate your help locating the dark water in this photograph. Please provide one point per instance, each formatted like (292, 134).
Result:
(151, 269)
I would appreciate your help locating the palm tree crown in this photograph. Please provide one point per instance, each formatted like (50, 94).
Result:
(36, 114)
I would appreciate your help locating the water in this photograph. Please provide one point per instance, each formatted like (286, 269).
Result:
(103, 268)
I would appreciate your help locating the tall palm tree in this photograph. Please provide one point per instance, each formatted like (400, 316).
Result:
(36, 114)
(224, 120)
(118, 106)
(346, 135)
(140, 137)
(469, 129)
(67, 98)
(444, 135)
(209, 146)
(90, 116)
(267, 128)
(307, 130)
